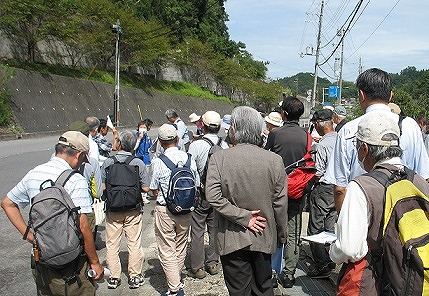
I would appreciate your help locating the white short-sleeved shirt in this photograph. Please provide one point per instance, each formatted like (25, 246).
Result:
(161, 173)
(182, 130)
(93, 149)
(29, 186)
(343, 165)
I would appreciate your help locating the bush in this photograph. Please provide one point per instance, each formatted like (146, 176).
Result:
(5, 113)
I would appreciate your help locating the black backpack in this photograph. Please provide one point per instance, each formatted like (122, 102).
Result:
(213, 148)
(123, 188)
(182, 195)
(54, 221)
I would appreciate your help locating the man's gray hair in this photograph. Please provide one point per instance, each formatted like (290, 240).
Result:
(326, 124)
(93, 123)
(382, 152)
(128, 140)
(246, 124)
(171, 113)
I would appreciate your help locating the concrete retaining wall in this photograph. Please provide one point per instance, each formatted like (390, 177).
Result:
(49, 102)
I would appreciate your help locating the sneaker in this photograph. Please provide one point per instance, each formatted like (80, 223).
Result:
(317, 273)
(212, 269)
(274, 279)
(113, 283)
(136, 281)
(180, 292)
(199, 274)
(287, 281)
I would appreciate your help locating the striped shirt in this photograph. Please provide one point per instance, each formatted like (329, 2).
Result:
(29, 186)
(161, 173)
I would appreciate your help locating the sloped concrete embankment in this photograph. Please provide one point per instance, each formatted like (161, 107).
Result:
(43, 103)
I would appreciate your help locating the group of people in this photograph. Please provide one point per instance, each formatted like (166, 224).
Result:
(243, 192)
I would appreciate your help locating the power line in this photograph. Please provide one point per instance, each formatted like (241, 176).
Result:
(344, 32)
(374, 29)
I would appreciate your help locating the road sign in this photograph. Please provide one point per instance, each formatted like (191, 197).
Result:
(334, 91)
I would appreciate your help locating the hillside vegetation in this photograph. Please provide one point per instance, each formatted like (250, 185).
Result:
(188, 33)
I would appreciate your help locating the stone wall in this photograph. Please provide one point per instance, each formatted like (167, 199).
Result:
(49, 102)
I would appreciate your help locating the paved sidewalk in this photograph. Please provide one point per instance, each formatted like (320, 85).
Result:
(210, 285)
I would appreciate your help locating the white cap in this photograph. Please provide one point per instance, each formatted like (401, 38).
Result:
(194, 117)
(379, 129)
(211, 118)
(394, 108)
(75, 140)
(167, 132)
(274, 118)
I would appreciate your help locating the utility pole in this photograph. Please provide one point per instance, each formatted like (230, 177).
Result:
(116, 28)
(340, 79)
(316, 64)
(360, 65)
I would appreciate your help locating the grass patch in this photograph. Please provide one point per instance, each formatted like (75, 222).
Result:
(126, 79)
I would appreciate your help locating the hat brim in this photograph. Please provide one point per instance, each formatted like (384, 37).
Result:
(225, 125)
(267, 119)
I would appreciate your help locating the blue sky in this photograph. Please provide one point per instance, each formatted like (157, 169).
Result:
(278, 30)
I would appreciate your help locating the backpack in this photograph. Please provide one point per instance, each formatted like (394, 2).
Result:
(123, 188)
(303, 175)
(54, 221)
(213, 148)
(405, 230)
(182, 195)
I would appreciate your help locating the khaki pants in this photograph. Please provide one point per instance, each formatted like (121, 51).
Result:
(130, 223)
(171, 233)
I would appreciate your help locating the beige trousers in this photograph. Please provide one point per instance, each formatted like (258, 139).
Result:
(130, 223)
(171, 233)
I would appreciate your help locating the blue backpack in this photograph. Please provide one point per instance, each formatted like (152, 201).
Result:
(182, 195)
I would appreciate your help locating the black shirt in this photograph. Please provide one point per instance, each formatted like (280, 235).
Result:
(288, 141)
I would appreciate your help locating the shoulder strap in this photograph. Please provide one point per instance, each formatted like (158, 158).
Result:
(401, 118)
(309, 141)
(188, 162)
(395, 175)
(64, 177)
(115, 160)
(219, 142)
(167, 162)
(129, 159)
(207, 141)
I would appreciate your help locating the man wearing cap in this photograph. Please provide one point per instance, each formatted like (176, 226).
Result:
(339, 117)
(203, 215)
(377, 144)
(128, 221)
(196, 119)
(70, 151)
(375, 92)
(272, 121)
(92, 173)
(321, 201)
(171, 231)
(290, 142)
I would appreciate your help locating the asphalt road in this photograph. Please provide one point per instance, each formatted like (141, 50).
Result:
(17, 157)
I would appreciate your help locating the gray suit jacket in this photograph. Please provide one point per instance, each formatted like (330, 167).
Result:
(242, 179)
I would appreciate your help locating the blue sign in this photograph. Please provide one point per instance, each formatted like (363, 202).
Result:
(334, 91)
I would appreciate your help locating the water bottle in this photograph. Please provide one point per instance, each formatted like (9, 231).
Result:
(92, 273)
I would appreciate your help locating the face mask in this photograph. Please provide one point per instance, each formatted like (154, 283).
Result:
(142, 130)
(361, 161)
